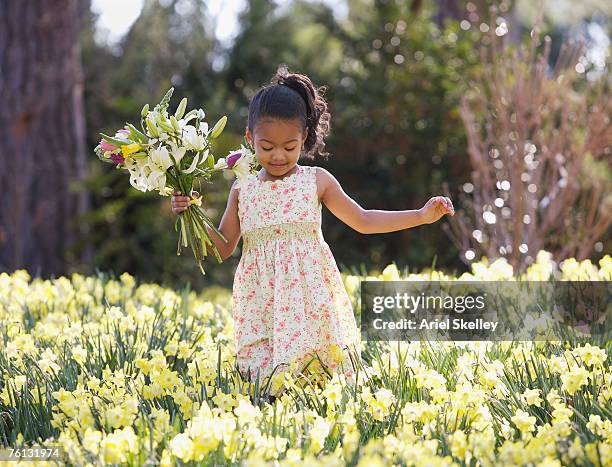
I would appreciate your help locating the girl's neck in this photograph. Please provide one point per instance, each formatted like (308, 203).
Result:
(267, 177)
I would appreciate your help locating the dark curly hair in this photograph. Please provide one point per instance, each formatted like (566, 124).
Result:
(292, 96)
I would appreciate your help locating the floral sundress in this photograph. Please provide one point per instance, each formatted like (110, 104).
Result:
(289, 300)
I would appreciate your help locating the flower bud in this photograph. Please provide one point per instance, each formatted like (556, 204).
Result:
(233, 158)
(107, 146)
(218, 128)
(174, 123)
(152, 128)
(181, 108)
(116, 158)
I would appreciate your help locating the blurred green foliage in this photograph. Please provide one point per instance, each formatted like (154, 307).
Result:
(393, 80)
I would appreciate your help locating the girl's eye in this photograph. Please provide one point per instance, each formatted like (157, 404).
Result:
(270, 149)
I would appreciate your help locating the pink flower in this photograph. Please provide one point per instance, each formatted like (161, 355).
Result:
(233, 158)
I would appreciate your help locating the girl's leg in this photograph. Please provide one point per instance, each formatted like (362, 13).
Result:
(258, 356)
(253, 357)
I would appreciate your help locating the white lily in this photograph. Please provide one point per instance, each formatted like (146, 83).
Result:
(177, 153)
(183, 121)
(196, 161)
(204, 128)
(156, 180)
(242, 169)
(160, 157)
(221, 163)
(138, 176)
(191, 138)
(159, 162)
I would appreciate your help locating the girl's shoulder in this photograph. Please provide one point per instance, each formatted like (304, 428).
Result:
(323, 176)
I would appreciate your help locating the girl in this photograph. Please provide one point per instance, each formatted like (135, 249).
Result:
(289, 301)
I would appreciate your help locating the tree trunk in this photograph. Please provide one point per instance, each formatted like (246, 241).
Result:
(42, 133)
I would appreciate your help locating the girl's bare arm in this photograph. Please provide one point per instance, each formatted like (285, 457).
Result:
(370, 221)
(229, 226)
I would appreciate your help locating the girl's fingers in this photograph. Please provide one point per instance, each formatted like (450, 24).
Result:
(445, 203)
(451, 209)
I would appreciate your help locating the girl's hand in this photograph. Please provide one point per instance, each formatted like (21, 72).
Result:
(435, 208)
(180, 202)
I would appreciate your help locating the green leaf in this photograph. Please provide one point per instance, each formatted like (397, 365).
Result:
(115, 141)
(137, 135)
(139, 155)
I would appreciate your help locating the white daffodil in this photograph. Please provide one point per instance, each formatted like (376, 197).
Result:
(192, 139)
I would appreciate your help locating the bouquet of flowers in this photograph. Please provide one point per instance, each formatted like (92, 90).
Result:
(172, 152)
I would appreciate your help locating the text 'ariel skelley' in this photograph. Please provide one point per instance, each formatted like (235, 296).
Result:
(437, 324)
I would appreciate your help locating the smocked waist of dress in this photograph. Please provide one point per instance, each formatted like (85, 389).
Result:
(283, 231)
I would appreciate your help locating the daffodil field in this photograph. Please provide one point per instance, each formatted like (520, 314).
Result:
(120, 372)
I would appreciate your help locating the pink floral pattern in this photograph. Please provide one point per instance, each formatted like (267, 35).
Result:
(289, 301)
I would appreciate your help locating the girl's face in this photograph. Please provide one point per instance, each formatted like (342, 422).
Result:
(278, 144)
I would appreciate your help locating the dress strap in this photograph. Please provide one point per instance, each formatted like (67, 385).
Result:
(310, 172)
(311, 181)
